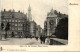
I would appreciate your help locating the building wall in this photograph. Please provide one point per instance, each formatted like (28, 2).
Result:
(51, 25)
(33, 28)
(17, 22)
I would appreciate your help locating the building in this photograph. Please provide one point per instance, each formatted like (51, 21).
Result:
(33, 28)
(45, 28)
(39, 31)
(50, 23)
(27, 29)
(0, 27)
(17, 22)
(32, 23)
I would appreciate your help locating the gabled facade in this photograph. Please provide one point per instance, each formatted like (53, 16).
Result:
(50, 23)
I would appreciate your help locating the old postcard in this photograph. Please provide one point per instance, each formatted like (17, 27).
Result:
(39, 25)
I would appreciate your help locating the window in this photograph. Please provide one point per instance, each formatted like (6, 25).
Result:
(9, 20)
(15, 24)
(15, 28)
(9, 32)
(13, 15)
(18, 24)
(4, 20)
(19, 28)
(15, 20)
(12, 20)
(18, 20)
(15, 32)
(12, 28)
(23, 21)
(12, 23)
(21, 25)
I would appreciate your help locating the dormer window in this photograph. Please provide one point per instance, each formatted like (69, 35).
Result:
(13, 15)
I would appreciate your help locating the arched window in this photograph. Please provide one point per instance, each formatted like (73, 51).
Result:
(12, 20)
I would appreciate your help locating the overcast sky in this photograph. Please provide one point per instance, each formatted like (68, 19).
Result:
(40, 8)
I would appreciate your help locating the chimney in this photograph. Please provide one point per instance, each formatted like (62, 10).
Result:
(4, 10)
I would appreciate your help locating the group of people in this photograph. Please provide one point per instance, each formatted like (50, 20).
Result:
(42, 39)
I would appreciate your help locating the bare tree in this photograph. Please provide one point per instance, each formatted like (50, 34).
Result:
(7, 28)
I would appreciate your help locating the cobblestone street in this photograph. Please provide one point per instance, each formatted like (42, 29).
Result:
(29, 41)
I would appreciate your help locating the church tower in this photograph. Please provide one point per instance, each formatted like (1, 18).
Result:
(29, 13)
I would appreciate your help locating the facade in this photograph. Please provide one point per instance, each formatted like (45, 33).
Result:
(39, 31)
(50, 23)
(33, 28)
(17, 22)
(45, 28)
(21, 25)
(27, 29)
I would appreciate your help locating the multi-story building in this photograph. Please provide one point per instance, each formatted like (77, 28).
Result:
(27, 29)
(39, 31)
(51, 22)
(17, 22)
(33, 28)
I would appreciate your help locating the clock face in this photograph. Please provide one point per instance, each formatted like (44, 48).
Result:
(51, 22)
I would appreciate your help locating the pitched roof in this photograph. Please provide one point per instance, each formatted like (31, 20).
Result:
(15, 14)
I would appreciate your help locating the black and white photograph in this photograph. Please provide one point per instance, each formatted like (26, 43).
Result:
(34, 22)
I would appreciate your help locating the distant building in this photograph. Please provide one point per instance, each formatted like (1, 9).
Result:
(0, 27)
(39, 31)
(17, 22)
(33, 28)
(45, 28)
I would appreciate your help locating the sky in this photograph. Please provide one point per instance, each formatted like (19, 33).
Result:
(39, 8)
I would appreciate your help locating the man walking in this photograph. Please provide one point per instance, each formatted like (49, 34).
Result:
(44, 38)
(41, 39)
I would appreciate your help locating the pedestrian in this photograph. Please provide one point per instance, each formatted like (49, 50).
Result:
(48, 40)
(36, 38)
(44, 38)
(41, 39)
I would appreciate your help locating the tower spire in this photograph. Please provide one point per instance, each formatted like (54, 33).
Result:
(29, 13)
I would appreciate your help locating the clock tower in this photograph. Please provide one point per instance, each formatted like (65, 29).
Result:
(52, 21)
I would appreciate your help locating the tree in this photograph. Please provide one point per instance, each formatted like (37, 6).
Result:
(7, 28)
(61, 30)
(2, 26)
(12, 34)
